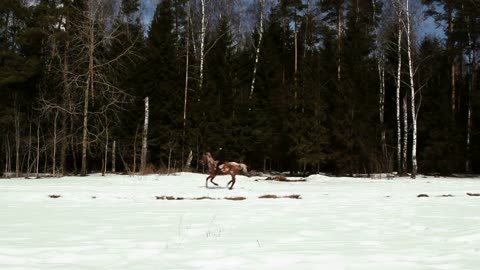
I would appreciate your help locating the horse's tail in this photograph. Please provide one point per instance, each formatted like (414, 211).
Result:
(244, 169)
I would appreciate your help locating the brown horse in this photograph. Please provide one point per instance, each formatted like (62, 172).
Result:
(232, 168)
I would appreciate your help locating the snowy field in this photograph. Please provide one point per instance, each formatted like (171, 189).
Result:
(116, 222)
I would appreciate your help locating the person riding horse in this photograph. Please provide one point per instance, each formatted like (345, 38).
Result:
(220, 155)
(227, 167)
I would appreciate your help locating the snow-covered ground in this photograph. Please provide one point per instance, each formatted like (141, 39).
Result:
(116, 222)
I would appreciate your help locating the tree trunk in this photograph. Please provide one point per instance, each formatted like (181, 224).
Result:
(143, 158)
(29, 149)
(74, 150)
(37, 169)
(17, 142)
(90, 86)
(468, 168)
(66, 97)
(471, 71)
(339, 34)
(381, 99)
(85, 133)
(295, 70)
(450, 48)
(113, 155)
(397, 93)
(383, 139)
(45, 152)
(189, 161)
(169, 159)
(7, 156)
(54, 157)
(413, 106)
(257, 51)
(135, 151)
(185, 96)
(63, 146)
(405, 134)
(105, 156)
(202, 43)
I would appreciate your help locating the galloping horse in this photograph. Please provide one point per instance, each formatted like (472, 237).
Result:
(232, 168)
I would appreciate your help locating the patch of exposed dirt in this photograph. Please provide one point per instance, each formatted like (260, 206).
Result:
(273, 196)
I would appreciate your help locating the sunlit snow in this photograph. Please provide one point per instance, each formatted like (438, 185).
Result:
(116, 222)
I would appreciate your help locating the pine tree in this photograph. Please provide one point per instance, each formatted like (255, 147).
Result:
(159, 75)
(354, 103)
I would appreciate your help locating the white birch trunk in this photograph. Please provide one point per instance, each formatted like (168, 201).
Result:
(398, 84)
(202, 43)
(143, 158)
(188, 163)
(413, 108)
(257, 51)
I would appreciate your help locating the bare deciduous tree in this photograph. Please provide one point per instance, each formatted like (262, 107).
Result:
(93, 72)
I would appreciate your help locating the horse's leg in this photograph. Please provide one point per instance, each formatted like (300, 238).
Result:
(206, 181)
(211, 180)
(232, 181)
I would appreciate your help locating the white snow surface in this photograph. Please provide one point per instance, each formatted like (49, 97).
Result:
(116, 222)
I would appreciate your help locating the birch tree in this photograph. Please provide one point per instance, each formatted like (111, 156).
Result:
(257, 49)
(203, 29)
(413, 105)
(143, 156)
(398, 81)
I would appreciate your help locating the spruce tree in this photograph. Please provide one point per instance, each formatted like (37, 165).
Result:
(160, 76)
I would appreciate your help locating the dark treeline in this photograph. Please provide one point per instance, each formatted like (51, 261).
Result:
(339, 86)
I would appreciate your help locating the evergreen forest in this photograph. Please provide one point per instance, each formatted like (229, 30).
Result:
(344, 87)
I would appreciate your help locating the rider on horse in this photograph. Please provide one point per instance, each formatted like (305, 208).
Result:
(220, 155)
(232, 168)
